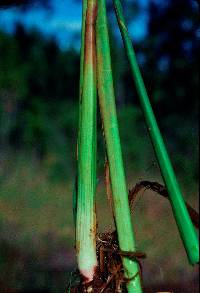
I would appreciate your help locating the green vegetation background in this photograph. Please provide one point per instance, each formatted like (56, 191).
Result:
(39, 85)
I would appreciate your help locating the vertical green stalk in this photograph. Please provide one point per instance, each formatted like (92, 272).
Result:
(86, 216)
(182, 217)
(82, 55)
(110, 123)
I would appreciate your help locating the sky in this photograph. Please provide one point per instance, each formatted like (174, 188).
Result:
(63, 21)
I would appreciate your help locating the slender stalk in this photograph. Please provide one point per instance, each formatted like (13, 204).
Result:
(110, 123)
(84, 11)
(82, 55)
(86, 216)
(181, 214)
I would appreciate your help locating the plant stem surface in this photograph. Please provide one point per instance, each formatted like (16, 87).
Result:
(110, 124)
(86, 214)
(183, 220)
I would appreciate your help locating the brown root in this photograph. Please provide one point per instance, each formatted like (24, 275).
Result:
(109, 277)
(161, 190)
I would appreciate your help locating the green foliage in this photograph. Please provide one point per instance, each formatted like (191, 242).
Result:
(36, 100)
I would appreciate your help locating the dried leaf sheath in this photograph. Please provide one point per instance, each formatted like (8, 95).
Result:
(86, 217)
(110, 123)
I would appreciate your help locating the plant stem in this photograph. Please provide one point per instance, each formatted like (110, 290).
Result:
(186, 228)
(82, 55)
(86, 216)
(110, 123)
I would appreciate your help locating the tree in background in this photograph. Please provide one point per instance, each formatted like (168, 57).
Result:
(172, 75)
(173, 65)
(38, 80)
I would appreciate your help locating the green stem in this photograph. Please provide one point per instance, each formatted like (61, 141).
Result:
(110, 123)
(186, 228)
(82, 53)
(84, 11)
(86, 216)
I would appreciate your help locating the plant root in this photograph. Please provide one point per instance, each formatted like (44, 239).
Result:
(161, 190)
(109, 277)
(110, 274)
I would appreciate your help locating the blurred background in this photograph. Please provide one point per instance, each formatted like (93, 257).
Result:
(39, 84)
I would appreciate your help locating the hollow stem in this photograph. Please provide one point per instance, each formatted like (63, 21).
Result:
(86, 216)
(110, 123)
(186, 228)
